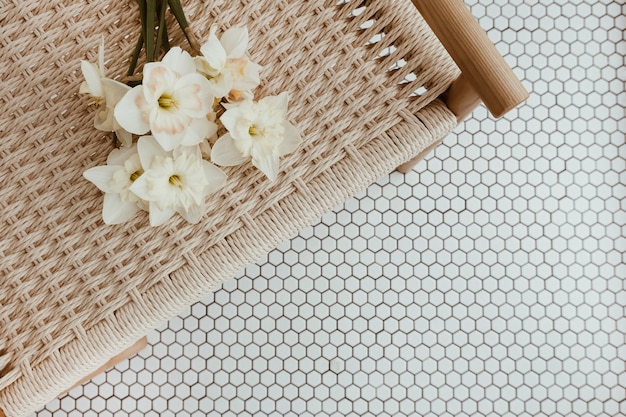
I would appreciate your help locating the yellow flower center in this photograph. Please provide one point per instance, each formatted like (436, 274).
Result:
(135, 175)
(255, 131)
(167, 102)
(176, 181)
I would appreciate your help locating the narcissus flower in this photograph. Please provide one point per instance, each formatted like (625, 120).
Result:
(225, 64)
(258, 131)
(115, 178)
(173, 103)
(175, 182)
(175, 111)
(105, 93)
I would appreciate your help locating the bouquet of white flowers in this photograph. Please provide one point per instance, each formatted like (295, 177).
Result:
(173, 110)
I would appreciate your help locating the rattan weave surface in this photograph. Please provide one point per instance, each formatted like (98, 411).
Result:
(74, 292)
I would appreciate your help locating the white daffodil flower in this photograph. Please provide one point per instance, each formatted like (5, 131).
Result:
(225, 64)
(105, 93)
(173, 103)
(257, 131)
(123, 168)
(176, 181)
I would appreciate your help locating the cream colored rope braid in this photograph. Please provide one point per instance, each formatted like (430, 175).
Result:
(74, 292)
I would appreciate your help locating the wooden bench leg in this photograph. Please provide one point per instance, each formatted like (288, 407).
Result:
(409, 165)
(461, 98)
(127, 354)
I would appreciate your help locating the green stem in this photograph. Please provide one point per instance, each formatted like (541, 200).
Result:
(142, 14)
(135, 57)
(161, 14)
(177, 9)
(165, 40)
(149, 28)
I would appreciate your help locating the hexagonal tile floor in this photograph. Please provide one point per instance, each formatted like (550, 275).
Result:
(487, 282)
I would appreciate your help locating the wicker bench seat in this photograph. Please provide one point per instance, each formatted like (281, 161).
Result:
(365, 80)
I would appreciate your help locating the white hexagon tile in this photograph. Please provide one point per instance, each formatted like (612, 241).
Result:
(487, 282)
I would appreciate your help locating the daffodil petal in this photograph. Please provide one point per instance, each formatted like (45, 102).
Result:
(101, 56)
(120, 155)
(279, 102)
(132, 112)
(268, 163)
(215, 176)
(221, 85)
(179, 61)
(213, 51)
(193, 150)
(225, 153)
(251, 78)
(169, 127)
(236, 96)
(84, 88)
(159, 216)
(193, 95)
(101, 176)
(113, 91)
(235, 41)
(92, 79)
(197, 131)
(157, 80)
(148, 148)
(231, 116)
(124, 137)
(104, 119)
(140, 188)
(116, 211)
(193, 214)
(291, 140)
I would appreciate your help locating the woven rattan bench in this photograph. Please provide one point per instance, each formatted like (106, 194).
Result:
(371, 88)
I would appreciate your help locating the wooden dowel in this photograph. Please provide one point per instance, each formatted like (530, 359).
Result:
(476, 56)
(131, 351)
(461, 98)
(408, 166)
(128, 353)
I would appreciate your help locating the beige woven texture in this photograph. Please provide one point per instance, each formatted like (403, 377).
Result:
(74, 292)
